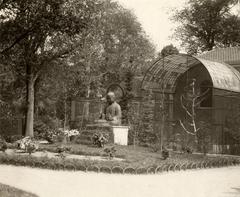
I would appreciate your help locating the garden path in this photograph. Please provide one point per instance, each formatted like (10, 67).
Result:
(219, 182)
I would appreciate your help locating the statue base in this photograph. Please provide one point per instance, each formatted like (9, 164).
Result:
(120, 135)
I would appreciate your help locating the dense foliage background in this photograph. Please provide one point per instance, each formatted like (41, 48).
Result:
(51, 51)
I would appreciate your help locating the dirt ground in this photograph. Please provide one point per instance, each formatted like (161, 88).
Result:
(219, 182)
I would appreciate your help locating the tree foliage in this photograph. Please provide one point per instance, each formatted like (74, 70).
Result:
(33, 35)
(205, 24)
(168, 50)
(57, 50)
(116, 43)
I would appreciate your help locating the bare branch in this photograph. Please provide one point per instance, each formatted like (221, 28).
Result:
(193, 101)
(204, 93)
(181, 123)
(184, 107)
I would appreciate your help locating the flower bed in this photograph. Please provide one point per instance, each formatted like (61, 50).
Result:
(114, 158)
(113, 166)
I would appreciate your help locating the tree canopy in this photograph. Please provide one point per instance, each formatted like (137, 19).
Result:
(168, 50)
(28, 30)
(205, 24)
(58, 49)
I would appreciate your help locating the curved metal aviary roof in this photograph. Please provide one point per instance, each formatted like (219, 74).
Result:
(167, 70)
(230, 55)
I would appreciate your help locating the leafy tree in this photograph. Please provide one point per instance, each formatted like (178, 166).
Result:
(116, 39)
(205, 24)
(168, 50)
(11, 93)
(62, 49)
(103, 58)
(34, 34)
(127, 97)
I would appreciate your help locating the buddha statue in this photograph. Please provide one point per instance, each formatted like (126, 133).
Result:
(112, 111)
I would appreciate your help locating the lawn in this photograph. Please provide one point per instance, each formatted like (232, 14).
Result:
(134, 156)
(7, 191)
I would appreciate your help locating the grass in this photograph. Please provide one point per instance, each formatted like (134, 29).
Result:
(7, 191)
(134, 156)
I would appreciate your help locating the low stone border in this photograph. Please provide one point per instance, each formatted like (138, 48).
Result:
(58, 164)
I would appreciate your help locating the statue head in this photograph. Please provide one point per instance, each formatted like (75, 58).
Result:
(110, 97)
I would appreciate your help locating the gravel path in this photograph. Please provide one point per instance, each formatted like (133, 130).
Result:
(220, 182)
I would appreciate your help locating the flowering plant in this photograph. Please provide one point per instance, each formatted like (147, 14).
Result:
(72, 132)
(27, 144)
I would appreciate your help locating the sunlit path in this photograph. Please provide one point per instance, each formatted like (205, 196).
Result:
(220, 182)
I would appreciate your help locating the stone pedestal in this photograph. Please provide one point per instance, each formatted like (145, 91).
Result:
(120, 135)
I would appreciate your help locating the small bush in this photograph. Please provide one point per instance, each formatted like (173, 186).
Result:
(155, 147)
(110, 152)
(3, 144)
(99, 140)
(187, 149)
(13, 138)
(165, 153)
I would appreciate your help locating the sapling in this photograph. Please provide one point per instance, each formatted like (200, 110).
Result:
(189, 102)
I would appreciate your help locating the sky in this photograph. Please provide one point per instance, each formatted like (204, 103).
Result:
(154, 16)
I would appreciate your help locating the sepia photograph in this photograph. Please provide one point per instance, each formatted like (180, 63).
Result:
(119, 98)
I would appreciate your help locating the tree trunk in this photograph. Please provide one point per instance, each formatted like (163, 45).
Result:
(30, 108)
(65, 114)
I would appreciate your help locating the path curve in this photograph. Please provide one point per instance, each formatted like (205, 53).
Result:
(219, 182)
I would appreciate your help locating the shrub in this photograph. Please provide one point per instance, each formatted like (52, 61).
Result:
(3, 145)
(46, 132)
(61, 149)
(99, 140)
(187, 149)
(13, 138)
(110, 152)
(40, 128)
(155, 147)
(165, 153)
(31, 147)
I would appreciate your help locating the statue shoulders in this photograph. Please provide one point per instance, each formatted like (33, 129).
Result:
(115, 104)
